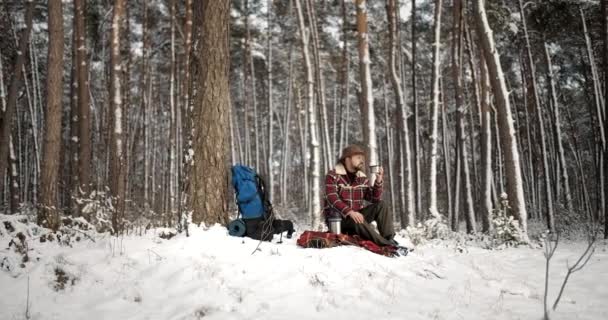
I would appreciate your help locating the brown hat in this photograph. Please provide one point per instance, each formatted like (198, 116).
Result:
(350, 151)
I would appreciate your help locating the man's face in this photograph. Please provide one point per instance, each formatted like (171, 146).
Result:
(357, 162)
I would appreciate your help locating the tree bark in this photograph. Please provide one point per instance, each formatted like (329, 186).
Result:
(13, 92)
(209, 184)
(507, 130)
(315, 201)
(434, 131)
(486, 147)
(406, 185)
(117, 161)
(48, 216)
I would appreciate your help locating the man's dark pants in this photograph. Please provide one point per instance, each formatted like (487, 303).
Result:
(374, 212)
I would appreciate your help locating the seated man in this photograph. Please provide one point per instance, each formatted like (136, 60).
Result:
(346, 187)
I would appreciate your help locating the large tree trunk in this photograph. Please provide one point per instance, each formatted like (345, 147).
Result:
(209, 182)
(48, 215)
(506, 127)
(407, 191)
(13, 92)
(367, 95)
(117, 159)
(434, 134)
(315, 201)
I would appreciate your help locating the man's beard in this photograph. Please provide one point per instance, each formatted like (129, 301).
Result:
(360, 166)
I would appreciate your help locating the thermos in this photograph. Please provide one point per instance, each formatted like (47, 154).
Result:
(334, 224)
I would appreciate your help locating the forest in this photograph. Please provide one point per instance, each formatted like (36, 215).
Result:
(488, 117)
(106, 116)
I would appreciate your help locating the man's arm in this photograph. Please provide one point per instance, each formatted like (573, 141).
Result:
(332, 196)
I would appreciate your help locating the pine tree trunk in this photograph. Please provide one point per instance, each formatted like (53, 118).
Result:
(407, 192)
(117, 160)
(417, 146)
(315, 201)
(13, 92)
(507, 130)
(48, 216)
(209, 182)
(434, 130)
(82, 78)
(486, 147)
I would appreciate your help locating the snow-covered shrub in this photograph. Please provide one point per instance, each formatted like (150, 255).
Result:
(434, 228)
(506, 230)
(97, 207)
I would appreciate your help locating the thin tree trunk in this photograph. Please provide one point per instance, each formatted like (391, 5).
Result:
(457, 57)
(7, 119)
(605, 59)
(417, 146)
(406, 185)
(486, 147)
(117, 161)
(315, 203)
(13, 181)
(446, 161)
(434, 125)
(287, 125)
(558, 133)
(507, 130)
(270, 107)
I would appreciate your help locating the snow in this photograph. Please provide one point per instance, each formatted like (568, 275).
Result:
(214, 276)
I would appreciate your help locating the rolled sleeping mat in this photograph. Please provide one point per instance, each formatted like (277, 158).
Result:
(236, 228)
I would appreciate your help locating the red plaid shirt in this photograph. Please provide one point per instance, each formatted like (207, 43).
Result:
(343, 195)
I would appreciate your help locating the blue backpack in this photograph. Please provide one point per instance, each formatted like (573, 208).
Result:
(257, 215)
(250, 193)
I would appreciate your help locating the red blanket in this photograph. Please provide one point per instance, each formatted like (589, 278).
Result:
(314, 239)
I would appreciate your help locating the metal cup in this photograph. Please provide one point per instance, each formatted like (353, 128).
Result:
(334, 224)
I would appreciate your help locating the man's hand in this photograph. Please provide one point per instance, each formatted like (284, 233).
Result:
(356, 216)
(380, 175)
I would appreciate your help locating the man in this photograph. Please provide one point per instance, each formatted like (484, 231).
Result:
(346, 188)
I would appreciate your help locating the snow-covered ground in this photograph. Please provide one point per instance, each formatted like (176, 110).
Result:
(211, 275)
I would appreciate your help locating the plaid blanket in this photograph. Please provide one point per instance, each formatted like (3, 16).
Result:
(315, 239)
